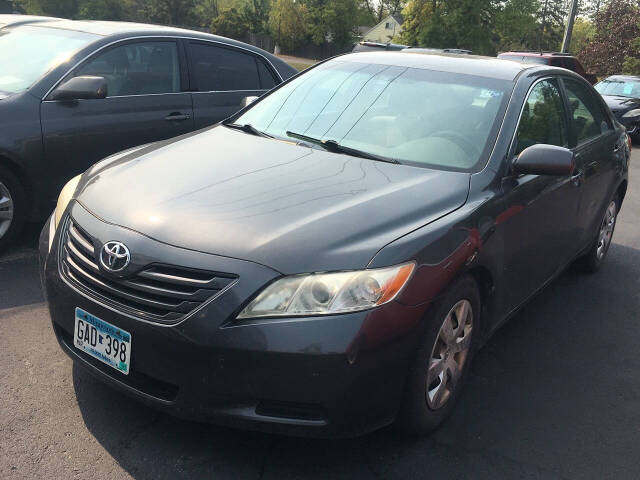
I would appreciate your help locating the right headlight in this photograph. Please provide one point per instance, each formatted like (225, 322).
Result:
(329, 293)
(65, 197)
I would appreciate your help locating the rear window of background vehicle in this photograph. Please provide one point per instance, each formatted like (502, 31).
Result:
(412, 115)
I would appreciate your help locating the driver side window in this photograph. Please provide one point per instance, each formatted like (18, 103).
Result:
(543, 118)
(141, 68)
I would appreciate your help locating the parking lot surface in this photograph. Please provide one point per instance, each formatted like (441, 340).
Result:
(554, 394)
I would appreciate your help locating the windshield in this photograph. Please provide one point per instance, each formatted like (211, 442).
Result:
(621, 88)
(410, 115)
(27, 53)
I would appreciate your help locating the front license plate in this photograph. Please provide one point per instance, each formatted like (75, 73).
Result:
(106, 342)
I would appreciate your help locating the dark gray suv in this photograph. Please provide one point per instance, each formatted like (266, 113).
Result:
(72, 93)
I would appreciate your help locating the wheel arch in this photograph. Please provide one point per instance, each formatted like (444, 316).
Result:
(622, 191)
(14, 167)
(486, 285)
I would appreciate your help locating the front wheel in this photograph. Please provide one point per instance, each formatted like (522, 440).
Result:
(443, 359)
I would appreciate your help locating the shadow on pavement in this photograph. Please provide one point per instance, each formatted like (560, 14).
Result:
(19, 275)
(554, 393)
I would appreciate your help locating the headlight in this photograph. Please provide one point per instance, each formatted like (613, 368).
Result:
(329, 293)
(632, 113)
(65, 197)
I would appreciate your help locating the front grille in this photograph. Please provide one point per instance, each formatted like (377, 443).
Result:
(158, 292)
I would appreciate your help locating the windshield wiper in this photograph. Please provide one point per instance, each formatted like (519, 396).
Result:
(335, 147)
(247, 128)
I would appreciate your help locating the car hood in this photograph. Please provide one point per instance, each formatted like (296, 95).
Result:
(621, 104)
(287, 206)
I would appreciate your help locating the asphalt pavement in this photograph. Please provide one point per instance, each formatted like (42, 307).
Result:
(554, 394)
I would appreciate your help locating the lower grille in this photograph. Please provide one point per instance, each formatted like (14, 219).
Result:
(158, 292)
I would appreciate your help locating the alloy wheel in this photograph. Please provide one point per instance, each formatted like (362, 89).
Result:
(606, 230)
(449, 354)
(6, 209)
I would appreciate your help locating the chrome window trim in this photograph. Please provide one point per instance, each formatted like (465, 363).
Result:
(166, 37)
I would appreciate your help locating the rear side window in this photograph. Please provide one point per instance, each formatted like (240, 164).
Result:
(224, 69)
(137, 68)
(266, 77)
(543, 118)
(587, 115)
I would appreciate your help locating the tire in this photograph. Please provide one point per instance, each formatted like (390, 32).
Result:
(12, 207)
(423, 408)
(594, 258)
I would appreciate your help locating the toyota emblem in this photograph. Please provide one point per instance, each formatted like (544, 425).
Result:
(114, 256)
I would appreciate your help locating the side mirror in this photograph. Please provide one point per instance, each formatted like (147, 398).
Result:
(544, 160)
(246, 101)
(81, 88)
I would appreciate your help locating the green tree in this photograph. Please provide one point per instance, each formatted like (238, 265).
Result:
(631, 64)
(256, 14)
(205, 11)
(583, 32)
(168, 12)
(230, 23)
(617, 26)
(516, 26)
(453, 23)
(553, 14)
(287, 23)
(55, 8)
(332, 20)
(100, 10)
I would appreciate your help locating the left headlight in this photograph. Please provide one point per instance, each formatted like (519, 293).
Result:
(329, 293)
(65, 197)
(632, 113)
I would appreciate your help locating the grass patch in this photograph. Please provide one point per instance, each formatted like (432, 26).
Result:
(300, 66)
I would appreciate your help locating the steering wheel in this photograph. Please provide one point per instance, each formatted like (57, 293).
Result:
(463, 142)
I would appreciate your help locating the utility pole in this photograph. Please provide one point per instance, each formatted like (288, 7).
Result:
(566, 43)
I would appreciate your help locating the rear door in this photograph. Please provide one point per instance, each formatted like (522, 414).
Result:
(145, 103)
(222, 76)
(596, 144)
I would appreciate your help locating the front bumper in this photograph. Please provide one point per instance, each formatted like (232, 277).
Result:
(339, 375)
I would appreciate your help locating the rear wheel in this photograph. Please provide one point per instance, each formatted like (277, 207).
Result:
(443, 359)
(11, 207)
(593, 260)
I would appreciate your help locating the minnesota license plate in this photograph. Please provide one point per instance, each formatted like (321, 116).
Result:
(106, 342)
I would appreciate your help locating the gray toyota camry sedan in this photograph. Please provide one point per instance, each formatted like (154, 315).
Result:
(328, 260)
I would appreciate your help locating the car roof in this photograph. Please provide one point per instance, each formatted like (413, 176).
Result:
(8, 19)
(104, 28)
(491, 67)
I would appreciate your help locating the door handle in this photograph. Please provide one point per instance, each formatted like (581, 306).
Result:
(577, 177)
(177, 117)
(616, 147)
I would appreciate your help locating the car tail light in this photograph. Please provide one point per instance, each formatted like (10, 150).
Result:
(629, 141)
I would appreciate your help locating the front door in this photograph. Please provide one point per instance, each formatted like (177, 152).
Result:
(539, 238)
(144, 103)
